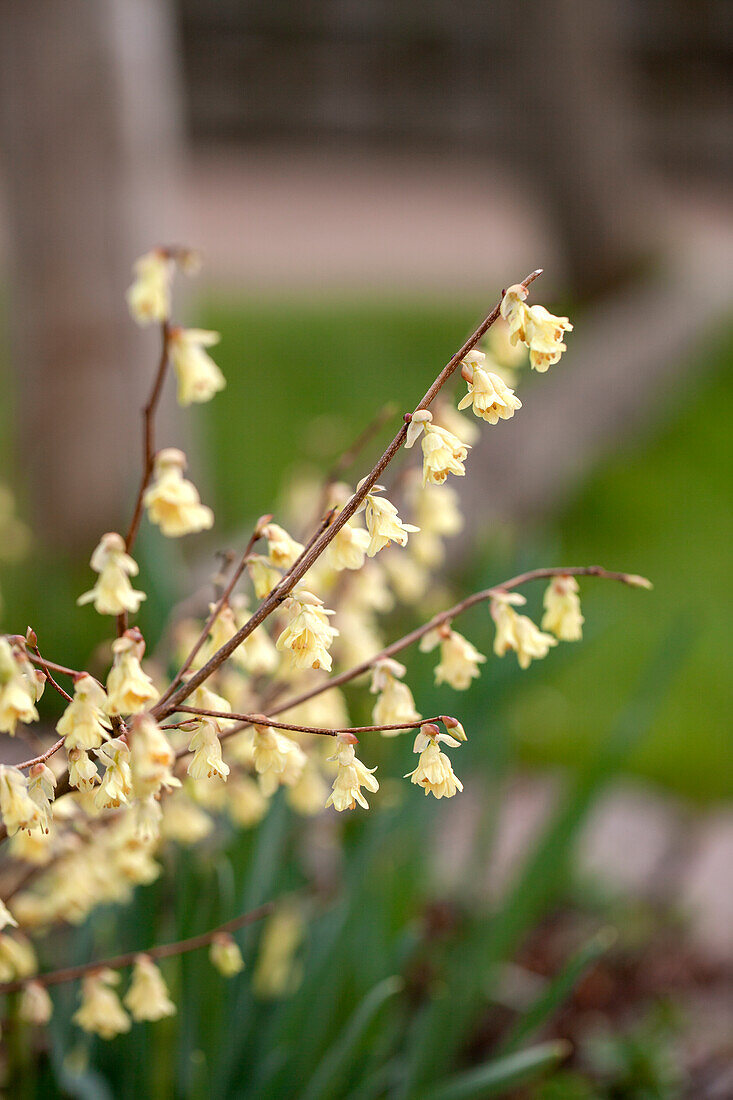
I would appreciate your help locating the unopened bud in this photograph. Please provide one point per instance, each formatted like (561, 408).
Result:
(454, 727)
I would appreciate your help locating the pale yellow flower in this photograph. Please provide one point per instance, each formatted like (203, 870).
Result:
(383, 523)
(173, 502)
(129, 689)
(562, 609)
(149, 296)
(113, 593)
(348, 548)
(147, 997)
(488, 396)
(264, 576)
(351, 776)
(41, 786)
(83, 772)
(277, 973)
(151, 757)
(278, 760)
(443, 454)
(225, 955)
(84, 724)
(536, 327)
(282, 549)
(19, 688)
(518, 632)
(395, 703)
(308, 635)
(18, 809)
(199, 378)
(207, 759)
(459, 660)
(408, 575)
(17, 957)
(100, 1011)
(434, 772)
(116, 785)
(36, 1007)
(6, 917)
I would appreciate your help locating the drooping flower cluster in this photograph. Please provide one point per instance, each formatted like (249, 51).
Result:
(434, 772)
(541, 331)
(351, 776)
(113, 593)
(173, 503)
(150, 764)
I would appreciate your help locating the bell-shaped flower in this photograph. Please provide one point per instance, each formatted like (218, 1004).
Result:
(518, 632)
(488, 396)
(395, 703)
(83, 773)
(225, 955)
(36, 1007)
(351, 776)
(540, 330)
(205, 745)
(173, 502)
(263, 575)
(149, 296)
(563, 616)
(383, 523)
(100, 1011)
(278, 760)
(116, 785)
(199, 378)
(113, 593)
(129, 689)
(84, 724)
(282, 549)
(17, 808)
(147, 997)
(459, 660)
(20, 688)
(348, 547)
(308, 635)
(434, 772)
(41, 789)
(151, 757)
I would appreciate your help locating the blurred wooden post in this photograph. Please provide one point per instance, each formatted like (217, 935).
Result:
(574, 131)
(89, 127)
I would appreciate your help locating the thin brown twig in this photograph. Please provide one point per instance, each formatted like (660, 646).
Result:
(148, 452)
(149, 436)
(304, 563)
(160, 951)
(45, 669)
(44, 756)
(265, 720)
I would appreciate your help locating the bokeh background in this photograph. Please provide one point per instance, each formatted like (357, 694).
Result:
(362, 179)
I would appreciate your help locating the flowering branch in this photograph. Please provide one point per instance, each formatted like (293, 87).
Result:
(307, 559)
(160, 951)
(631, 579)
(264, 720)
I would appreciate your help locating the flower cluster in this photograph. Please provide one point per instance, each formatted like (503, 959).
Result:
(154, 758)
